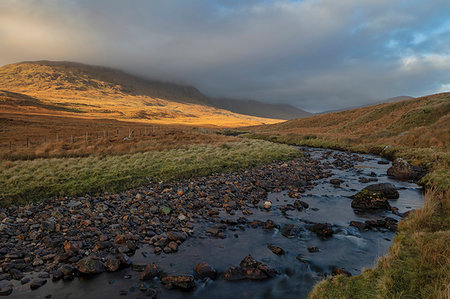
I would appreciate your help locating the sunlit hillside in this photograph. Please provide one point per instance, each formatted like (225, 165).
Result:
(86, 91)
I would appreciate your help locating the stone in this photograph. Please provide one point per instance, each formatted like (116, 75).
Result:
(203, 270)
(37, 283)
(341, 271)
(90, 266)
(112, 263)
(286, 230)
(249, 268)
(322, 230)
(185, 282)
(313, 249)
(72, 247)
(267, 205)
(150, 271)
(276, 250)
(176, 236)
(367, 200)
(6, 290)
(336, 181)
(359, 225)
(387, 189)
(402, 170)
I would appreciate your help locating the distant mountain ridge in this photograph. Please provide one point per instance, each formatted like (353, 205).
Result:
(389, 100)
(256, 108)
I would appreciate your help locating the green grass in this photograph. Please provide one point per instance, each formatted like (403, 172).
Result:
(24, 181)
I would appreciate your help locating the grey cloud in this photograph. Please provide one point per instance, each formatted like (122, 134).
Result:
(315, 54)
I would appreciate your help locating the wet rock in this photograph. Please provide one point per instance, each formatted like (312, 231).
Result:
(203, 270)
(322, 230)
(48, 226)
(313, 249)
(300, 205)
(269, 224)
(72, 247)
(6, 290)
(185, 282)
(301, 259)
(37, 283)
(367, 200)
(267, 205)
(124, 260)
(387, 189)
(112, 263)
(359, 225)
(25, 280)
(150, 271)
(120, 239)
(341, 271)
(287, 230)
(336, 181)
(275, 249)
(176, 236)
(173, 246)
(90, 266)
(402, 170)
(249, 268)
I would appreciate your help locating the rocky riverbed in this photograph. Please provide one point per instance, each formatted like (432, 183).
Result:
(271, 231)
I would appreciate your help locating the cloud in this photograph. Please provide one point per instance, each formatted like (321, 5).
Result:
(315, 54)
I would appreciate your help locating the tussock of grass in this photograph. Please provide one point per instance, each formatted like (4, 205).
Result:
(22, 181)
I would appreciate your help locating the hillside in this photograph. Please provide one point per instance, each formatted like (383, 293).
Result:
(420, 122)
(256, 108)
(99, 92)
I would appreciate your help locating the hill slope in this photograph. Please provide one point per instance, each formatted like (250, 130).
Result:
(99, 92)
(255, 108)
(419, 122)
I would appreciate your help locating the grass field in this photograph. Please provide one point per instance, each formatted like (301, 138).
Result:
(24, 181)
(418, 130)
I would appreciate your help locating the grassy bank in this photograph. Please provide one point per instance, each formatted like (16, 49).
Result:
(24, 181)
(417, 130)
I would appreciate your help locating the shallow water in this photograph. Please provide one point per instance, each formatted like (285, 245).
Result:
(347, 248)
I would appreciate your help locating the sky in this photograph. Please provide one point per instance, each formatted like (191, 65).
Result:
(314, 54)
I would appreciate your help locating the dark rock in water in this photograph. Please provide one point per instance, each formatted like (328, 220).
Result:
(124, 260)
(67, 270)
(275, 249)
(367, 200)
(203, 270)
(322, 230)
(301, 259)
(176, 236)
(402, 170)
(249, 268)
(150, 271)
(336, 181)
(112, 263)
(383, 162)
(286, 230)
(25, 280)
(72, 247)
(300, 205)
(359, 225)
(90, 266)
(313, 249)
(37, 283)
(185, 282)
(388, 223)
(387, 189)
(269, 224)
(341, 271)
(6, 291)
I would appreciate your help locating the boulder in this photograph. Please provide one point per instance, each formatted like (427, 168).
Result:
(37, 283)
(185, 282)
(322, 230)
(150, 271)
(387, 189)
(402, 170)
(249, 268)
(367, 200)
(203, 270)
(277, 250)
(6, 290)
(90, 266)
(112, 263)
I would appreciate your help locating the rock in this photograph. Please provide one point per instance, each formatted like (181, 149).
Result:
(90, 266)
(176, 236)
(48, 226)
(173, 246)
(112, 263)
(124, 260)
(313, 249)
(101, 207)
(203, 270)
(367, 200)
(25, 280)
(120, 239)
(37, 283)
(185, 282)
(341, 271)
(72, 247)
(300, 205)
(322, 230)
(275, 249)
(301, 259)
(336, 181)
(267, 204)
(6, 290)
(269, 224)
(359, 225)
(387, 189)
(286, 230)
(150, 271)
(402, 170)
(249, 268)
(165, 210)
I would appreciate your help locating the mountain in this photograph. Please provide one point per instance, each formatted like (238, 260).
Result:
(79, 90)
(419, 122)
(255, 108)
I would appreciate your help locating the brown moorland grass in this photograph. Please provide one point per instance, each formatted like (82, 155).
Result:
(51, 136)
(418, 262)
